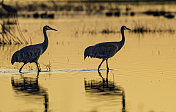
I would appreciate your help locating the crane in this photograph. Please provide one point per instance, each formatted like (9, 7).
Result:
(8, 8)
(105, 50)
(31, 53)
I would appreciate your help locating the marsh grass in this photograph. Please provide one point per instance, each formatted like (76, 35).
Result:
(11, 34)
(48, 66)
(138, 28)
(81, 7)
(108, 31)
(145, 29)
(166, 14)
(10, 28)
(94, 32)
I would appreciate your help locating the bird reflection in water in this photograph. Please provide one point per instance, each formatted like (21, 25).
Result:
(106, 87)
(30, 86)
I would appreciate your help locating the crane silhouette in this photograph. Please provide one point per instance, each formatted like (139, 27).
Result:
(8, 8)
(31, 53)
(105, 50)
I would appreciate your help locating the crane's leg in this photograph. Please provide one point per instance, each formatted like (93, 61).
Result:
(107, 78)
(100, 65)
(101, 77)
(38, 67)
(107, 64)
(37, 75)
(21, 67)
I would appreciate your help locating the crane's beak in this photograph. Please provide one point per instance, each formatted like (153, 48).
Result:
(53, 29)
(127, 28)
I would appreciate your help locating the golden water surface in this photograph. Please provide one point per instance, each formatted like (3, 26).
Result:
(143, 71)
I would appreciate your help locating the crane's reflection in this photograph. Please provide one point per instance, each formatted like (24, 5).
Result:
(106, 87)
(27, 86)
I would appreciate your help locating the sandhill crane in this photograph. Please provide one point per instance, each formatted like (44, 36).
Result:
(30, 54)
(8, 8)
(105, 50)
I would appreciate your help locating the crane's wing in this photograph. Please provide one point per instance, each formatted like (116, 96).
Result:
(102, 50)
(27, 54)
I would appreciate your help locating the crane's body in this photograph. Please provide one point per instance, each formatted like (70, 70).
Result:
(105, 50)
(31, 53)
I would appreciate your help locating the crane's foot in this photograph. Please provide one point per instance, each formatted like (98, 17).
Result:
(39, 70)
(103, 80)
(37, 75)
(20, 71)
(107, 68)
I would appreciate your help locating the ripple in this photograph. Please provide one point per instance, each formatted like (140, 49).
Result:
(13, 71)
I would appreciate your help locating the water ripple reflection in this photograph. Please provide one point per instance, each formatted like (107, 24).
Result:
(105, 92)
(28, 87)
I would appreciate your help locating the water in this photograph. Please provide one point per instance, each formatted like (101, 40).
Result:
(142, 78)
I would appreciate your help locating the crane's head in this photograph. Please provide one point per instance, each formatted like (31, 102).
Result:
(124, 28)
(48, 28)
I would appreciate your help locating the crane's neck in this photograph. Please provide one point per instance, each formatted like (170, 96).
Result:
(45, 43)
(123, 36)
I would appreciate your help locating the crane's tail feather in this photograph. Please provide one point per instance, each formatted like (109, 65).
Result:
(85, 57)
(12, 62)
(86, 53)
(14, 57)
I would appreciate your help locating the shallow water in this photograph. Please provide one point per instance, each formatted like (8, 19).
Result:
(142, 75)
